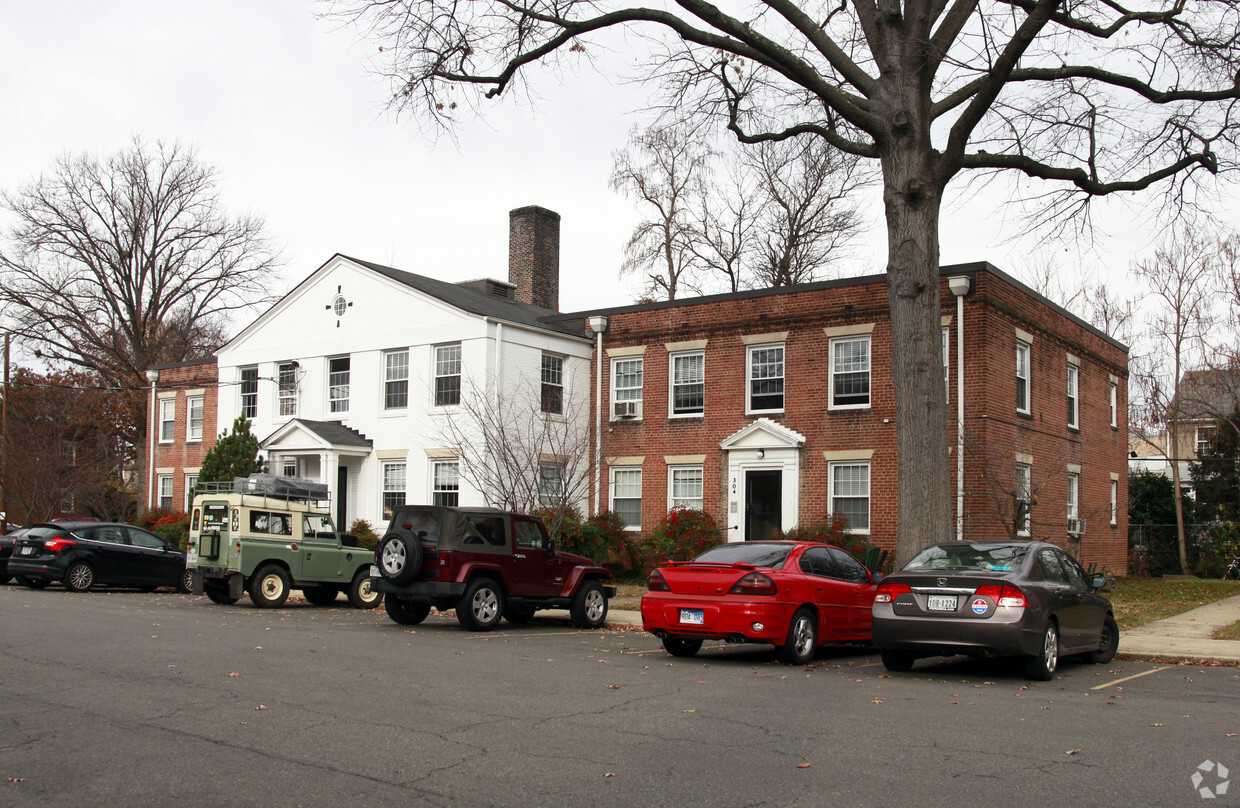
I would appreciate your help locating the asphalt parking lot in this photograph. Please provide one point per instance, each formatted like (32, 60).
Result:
(121, 698)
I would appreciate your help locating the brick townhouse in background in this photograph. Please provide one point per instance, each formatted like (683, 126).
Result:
(182, 430)
(775, 407)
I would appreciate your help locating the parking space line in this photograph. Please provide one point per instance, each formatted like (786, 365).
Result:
(1129, 678)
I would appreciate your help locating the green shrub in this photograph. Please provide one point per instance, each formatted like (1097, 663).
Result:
(169, 524)
(681, 535)
(834, 531)
(601, 539)
(364, 533)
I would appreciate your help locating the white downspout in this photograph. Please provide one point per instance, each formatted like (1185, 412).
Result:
(153, 377)
(959, 287)
(598, 325)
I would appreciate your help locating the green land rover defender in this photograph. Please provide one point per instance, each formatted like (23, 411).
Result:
(266, 535)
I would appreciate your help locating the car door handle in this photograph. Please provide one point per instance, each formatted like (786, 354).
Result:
(517, 555)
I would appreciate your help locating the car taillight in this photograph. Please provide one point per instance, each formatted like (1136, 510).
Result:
(445, 558)
(887, 592)
(657, 583)
(1003, 595)
(755, 583)
(56, 545)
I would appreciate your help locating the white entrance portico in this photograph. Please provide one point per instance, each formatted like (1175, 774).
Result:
(764, 468)
(326, 451)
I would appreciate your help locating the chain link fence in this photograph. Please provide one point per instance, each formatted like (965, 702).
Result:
(1153, 550)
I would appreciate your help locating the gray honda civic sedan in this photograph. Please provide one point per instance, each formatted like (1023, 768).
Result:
(1030, 600)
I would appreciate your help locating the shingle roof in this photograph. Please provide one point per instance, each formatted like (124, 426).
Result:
(476, 302)
(1213, 393)
(336, 433)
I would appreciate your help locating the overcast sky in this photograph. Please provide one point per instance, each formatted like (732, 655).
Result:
(281, 104)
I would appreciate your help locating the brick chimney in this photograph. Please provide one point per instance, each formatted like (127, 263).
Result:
(534, 256)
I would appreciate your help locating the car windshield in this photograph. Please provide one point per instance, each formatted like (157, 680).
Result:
(756, 553)
(971, 557)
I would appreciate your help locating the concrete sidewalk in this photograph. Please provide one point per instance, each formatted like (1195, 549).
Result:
(1185, 637)
(1182, 638)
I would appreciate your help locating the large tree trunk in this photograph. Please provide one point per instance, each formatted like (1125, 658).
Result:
(912, 199)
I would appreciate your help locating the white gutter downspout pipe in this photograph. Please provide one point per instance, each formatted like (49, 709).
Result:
(598, 326)
(152, 376)
(959, 286)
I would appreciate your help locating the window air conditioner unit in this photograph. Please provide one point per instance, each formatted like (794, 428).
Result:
(1076, 527)
(627, 409)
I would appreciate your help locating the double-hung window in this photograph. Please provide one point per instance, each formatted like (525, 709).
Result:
(766, 378)
(165, 490)
(626, 387)
(1022, 378)
(1114, 404)
(849, 487)
(167, 420)
(448, 375)
(396, 380)
(193, 430)
(1114, 501)
(685, 487)
(1074, 396)
(446, 483)
(1023, 497)
(287, 382)
(338, 384)
(626, 496)
(550, 485)
(552, 398)
(191, 482)
(393, 487)
(688, 393)
(1204, 440)
(249, 393)
(850, 372)
(1074, 493)
(947, 353)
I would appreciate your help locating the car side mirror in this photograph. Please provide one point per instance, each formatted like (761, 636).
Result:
(549, 546)
(1098, 582)
(875, 577)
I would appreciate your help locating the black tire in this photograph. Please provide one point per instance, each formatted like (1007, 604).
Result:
(269, 587)
(218, 594)
(79, 577)
(519, 614)
(802, 642)
(898, 661)
(1042, 665)
(361, 594)
(1108, 643)
(681, 647)
(589, 606)
(186, 584)
(406, 612)
(319, 595)
(399, 556)
(482, 607)
(33, 583)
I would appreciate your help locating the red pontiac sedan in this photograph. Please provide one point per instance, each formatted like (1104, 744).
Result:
(794, 595)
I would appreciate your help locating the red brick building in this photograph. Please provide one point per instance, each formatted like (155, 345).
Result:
(182, 430)
(773, 408)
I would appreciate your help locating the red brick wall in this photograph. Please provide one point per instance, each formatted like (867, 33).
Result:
(994, 308)
(175, 457)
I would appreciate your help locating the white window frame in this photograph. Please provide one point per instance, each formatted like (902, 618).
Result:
(551, 375)
(550, 485)
(287, 384)
(338, 381)
(832, 469)
(66, 502)
(635, 471)
(68, 452)
(193, 427)
(947, 366)
(1114, 502)
(1024, 352)
(630, 394)
(672, 384)
(290, 467)
(164, 491)
(1074, 495)
(443, 360)
(1114, 405)
(247, 404)
(686, 472)
(832, 370)
(443, 491)
(1074, 396)
(395, 374)
(167, 420)
(191, 481)
(393, 485)
(1024, 493)
(1202, 435)
(750, 380)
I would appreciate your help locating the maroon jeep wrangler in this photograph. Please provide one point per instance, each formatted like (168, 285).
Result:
(487, 564)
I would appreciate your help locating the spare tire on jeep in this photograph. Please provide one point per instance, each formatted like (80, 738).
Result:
(400, 556)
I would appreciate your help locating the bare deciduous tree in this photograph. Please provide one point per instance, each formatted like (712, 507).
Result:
(515, 454)
(119, 264)
(1083, 100)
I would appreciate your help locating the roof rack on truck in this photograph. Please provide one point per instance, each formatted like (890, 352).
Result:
(269, 486)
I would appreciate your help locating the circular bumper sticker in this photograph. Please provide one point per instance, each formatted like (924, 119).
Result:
(979, 606)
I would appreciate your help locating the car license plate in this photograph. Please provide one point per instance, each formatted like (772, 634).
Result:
(374, 571)
(941, 603)
(693, 617)
(27, 551)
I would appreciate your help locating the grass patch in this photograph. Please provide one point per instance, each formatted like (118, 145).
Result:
(1231, 632)
(1138, 601)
